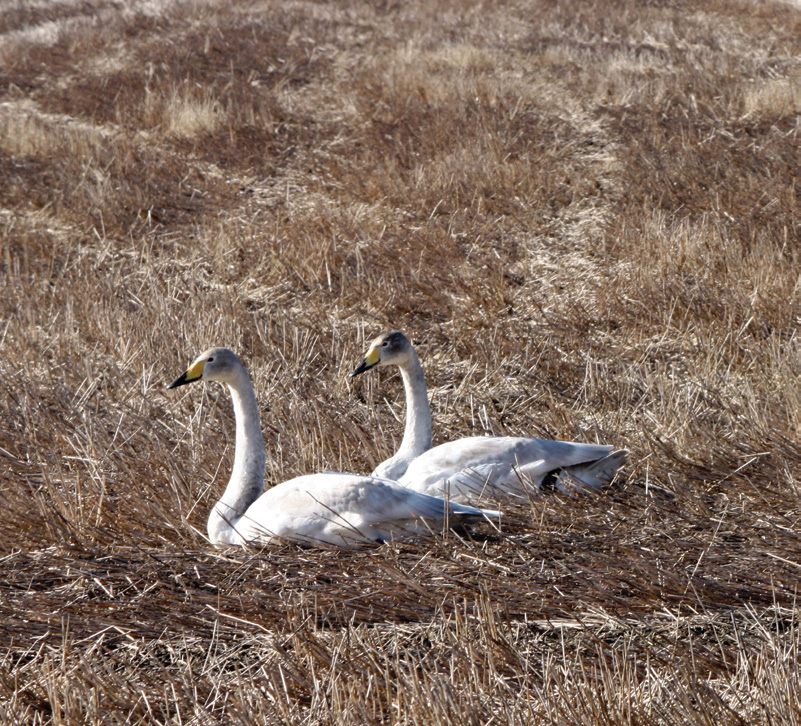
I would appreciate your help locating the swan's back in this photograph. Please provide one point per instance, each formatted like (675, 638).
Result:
(494, 466)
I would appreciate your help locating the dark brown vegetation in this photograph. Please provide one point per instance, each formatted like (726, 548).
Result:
(584, 213)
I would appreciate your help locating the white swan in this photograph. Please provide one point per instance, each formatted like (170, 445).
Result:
(339, 509)
(478, 466)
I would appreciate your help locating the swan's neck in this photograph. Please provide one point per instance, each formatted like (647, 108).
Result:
(417, 433)
(247, 478)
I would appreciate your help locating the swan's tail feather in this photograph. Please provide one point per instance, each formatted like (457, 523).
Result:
(467, 514)
(592, 475)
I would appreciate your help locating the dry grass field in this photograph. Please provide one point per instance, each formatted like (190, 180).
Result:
(585, 215)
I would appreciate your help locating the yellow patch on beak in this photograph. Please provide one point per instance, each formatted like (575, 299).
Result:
(369, 361)
(195, 371)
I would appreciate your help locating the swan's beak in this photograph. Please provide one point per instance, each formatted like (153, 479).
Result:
(193, 373)
(370, 360)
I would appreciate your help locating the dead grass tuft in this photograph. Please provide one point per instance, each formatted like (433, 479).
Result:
(773, 98)
(186, 115)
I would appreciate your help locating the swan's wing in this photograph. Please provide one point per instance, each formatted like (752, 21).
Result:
(372, 502)
(493, 466)
(591, 475)
(408, 503)
(344, 508)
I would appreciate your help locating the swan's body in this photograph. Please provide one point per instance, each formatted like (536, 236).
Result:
(495, 467)
(479, 466)
(339, 509)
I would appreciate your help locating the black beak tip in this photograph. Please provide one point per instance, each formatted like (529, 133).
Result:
(361, 368)
(180, 381)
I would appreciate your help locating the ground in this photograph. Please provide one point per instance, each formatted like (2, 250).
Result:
(585, 216)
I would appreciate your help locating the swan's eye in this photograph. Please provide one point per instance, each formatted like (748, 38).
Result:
(385, 344)
(210, 359)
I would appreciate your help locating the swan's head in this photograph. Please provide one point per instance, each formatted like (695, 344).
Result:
(215, 364)
(392, 348)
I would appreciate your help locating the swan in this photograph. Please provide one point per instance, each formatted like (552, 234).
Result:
(330, 508)
(478, 466)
